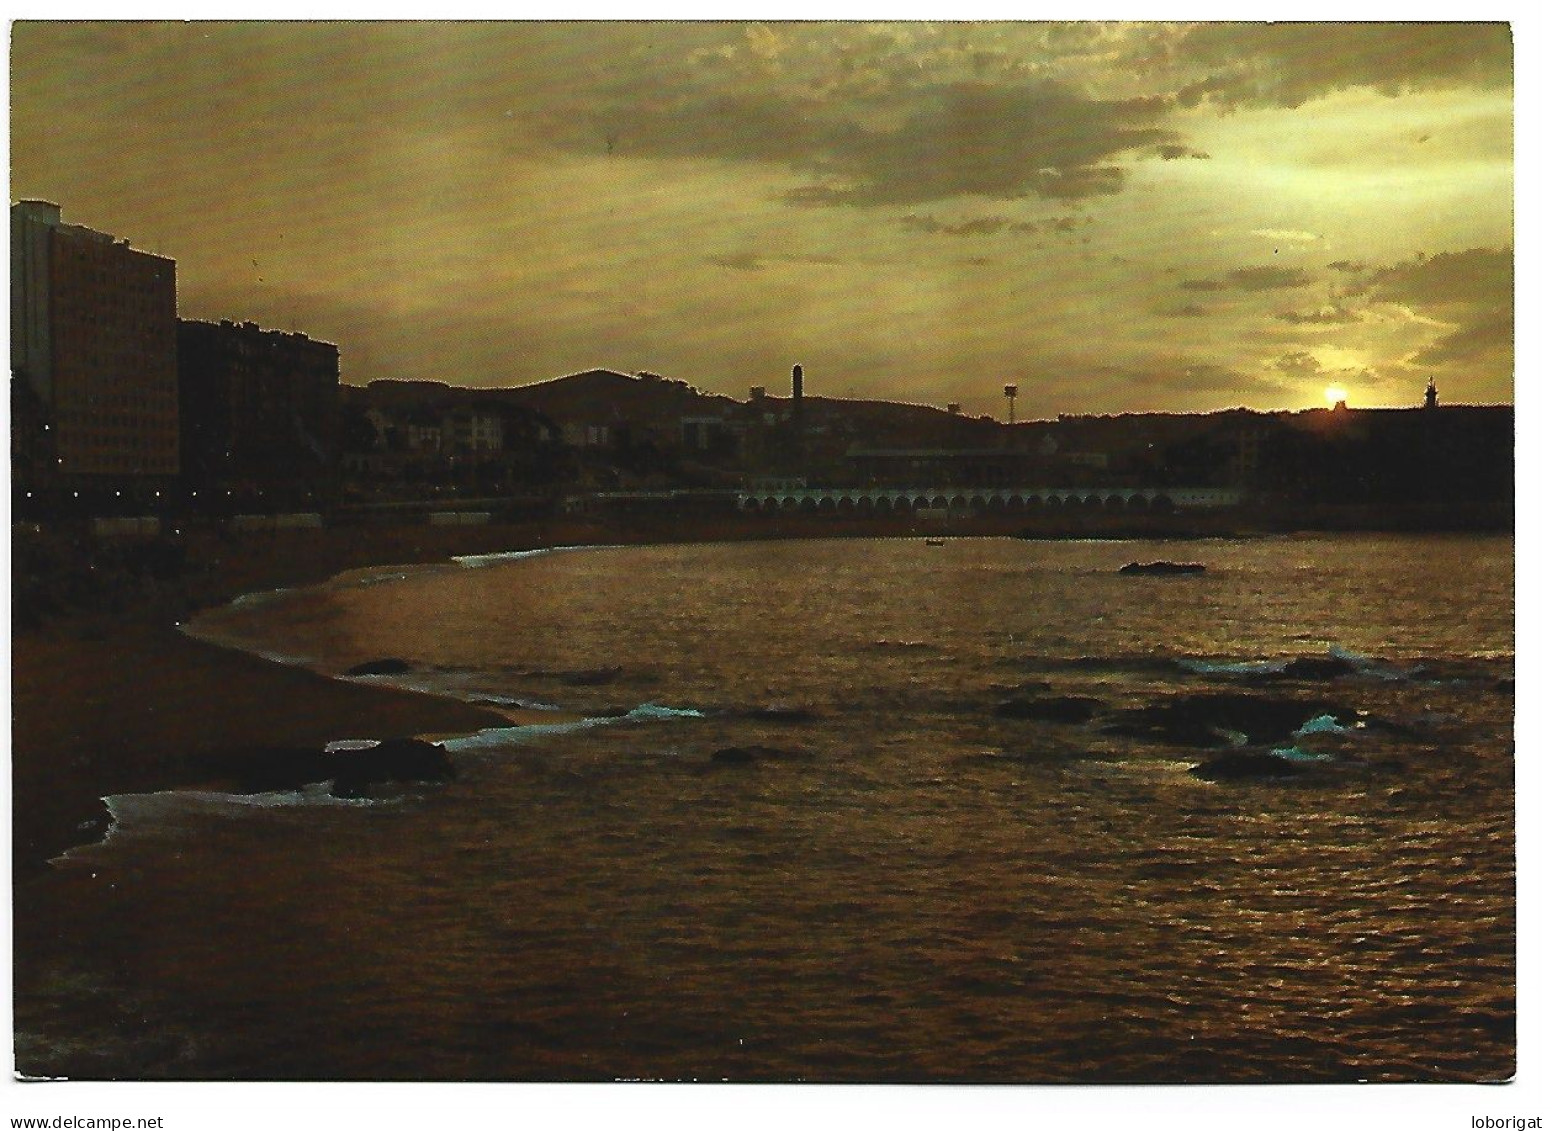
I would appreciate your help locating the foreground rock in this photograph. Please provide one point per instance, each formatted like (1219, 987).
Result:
(1223, 720)
(1052, 709)
(1162, 569)
(744, 755)
(398, 760)
(387, 666)
(1314, 668)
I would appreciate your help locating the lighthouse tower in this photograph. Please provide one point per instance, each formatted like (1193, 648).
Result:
(1431, 397)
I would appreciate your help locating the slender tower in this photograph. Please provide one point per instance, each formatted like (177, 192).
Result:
(797, 417)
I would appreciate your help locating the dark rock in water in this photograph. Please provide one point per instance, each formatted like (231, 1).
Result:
(1315, 667)
(396, 760)
(388, 666)
(1246, 766)
(268, 770)
(731, 755)
(1216, 720)
(1055, 709)
(742, 755)
(1400, 730)
(1162, 569)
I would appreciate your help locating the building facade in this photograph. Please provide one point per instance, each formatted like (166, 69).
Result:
(260, 407)
(94, 338)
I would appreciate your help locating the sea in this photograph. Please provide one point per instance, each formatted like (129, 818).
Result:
(892, 810)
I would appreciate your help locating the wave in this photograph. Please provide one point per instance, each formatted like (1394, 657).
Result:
(262, 597)
(477, 561)
(657, 711)
(1338, 662)
(194, 630)
(503, 738)
(169, 811)
(1299, 754)
(1232, 667)
(499, 738)
(1322, 724)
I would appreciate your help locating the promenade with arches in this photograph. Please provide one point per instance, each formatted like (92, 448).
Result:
(986, 500)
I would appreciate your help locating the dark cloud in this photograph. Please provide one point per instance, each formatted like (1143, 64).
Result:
(981, 226)
(1267, 278)
(1286, 65)
(960, 139)
(1176, 152)
(742, 261)
(987, 225)
(1302, 368)
(1347, 266)
(1251, 279)
(1325, 316)
(1189, 310)
(1483, 341)
(1472, 289)
(1298, 363)
(1482, 277)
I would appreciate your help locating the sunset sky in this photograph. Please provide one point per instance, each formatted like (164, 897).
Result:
(1116, 217)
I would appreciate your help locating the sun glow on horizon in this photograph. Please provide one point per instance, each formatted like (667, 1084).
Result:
(1335, 395)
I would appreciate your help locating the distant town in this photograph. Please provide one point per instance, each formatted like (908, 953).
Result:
(127, 417)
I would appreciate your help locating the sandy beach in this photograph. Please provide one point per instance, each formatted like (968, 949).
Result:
(106, 703)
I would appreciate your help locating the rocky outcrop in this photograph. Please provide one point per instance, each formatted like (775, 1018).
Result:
(1223, 720)
(351, 771)
(398, 760)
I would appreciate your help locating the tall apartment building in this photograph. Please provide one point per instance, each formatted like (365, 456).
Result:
(94, 337)
(259, 407)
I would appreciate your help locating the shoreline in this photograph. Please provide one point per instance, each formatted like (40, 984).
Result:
(122, 701)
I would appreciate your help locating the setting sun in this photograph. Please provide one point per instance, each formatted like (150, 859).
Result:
(1335, 395)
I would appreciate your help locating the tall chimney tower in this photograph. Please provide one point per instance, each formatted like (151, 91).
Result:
(797, 417)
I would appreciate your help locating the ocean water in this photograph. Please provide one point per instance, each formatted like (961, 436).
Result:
(893, 877)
